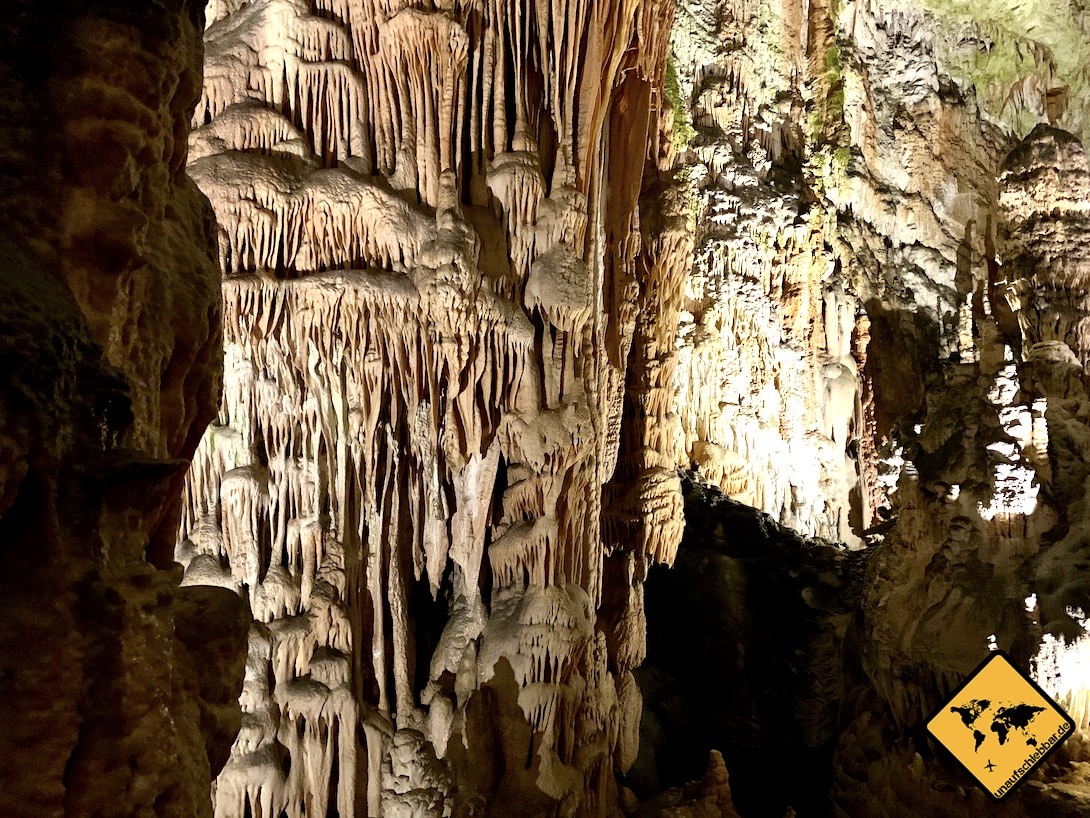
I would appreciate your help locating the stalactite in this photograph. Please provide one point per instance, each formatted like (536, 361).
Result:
(396, 425)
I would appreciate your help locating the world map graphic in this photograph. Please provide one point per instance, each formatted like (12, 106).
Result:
(1004, 719)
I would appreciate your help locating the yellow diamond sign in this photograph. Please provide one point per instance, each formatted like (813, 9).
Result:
(1000, 725)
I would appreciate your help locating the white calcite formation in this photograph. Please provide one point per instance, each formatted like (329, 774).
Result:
(767, 388)
(495, 271)
(492, 271)
(1061, 668)
(1020, 438)
(968, 232)
(430, 224)
(990, 524)
(842, 162)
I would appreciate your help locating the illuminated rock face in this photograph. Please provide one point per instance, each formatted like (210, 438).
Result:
(485, 292)
(967, 233)
(437, 221)
(842, 159)
(990, 529)
(882, 339)
(119, 691)
(767, 388)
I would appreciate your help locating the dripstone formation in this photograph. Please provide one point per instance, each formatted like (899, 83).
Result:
(919, 170)
(437, 232)
(356, 353)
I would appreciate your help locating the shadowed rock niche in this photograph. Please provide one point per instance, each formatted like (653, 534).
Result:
(745, 643)
(438, 222)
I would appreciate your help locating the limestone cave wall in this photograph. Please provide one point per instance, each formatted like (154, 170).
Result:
(888, 214)
(396, 324)
(118, 691)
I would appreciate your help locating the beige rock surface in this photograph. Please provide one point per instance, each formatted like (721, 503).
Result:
(457, 251)
(436, 223)
(115, 696)
(491, 272)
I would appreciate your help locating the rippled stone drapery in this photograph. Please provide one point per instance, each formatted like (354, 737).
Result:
(430, 219)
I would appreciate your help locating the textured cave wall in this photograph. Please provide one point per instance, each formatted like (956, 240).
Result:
(882, 341)
(457, 249)
(118, 691)
(767, 387)
(438, 222)
(842, 160)
(989, 542)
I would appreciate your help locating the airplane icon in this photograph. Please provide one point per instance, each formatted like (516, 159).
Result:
(989, 766)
